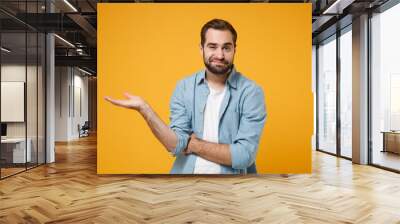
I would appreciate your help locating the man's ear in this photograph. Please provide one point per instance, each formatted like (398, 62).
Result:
(201, 49)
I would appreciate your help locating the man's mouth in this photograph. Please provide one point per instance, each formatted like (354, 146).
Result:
(219, 62)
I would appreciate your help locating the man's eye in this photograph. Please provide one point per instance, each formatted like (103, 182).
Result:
(226, 48)
(213, 47)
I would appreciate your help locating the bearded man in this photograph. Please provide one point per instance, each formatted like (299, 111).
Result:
(216, 115)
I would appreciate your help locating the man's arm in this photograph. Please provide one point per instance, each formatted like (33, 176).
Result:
(175, 136)
(241, 153)
(163, 133)
(218, 153)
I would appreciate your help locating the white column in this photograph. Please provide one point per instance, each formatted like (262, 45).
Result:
(50, 92)
(360, 90)
(50, 99)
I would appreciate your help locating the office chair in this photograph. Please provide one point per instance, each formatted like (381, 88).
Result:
(84, 130)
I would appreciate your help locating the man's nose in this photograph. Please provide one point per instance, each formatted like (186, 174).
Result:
(219, 53)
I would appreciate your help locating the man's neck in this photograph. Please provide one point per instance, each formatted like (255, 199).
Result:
(217, 82)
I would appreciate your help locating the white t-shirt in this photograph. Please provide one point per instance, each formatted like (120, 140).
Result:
(210, 131)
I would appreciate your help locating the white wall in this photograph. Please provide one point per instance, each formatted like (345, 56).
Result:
(61, 103)
(71, 93)
(16, 73)
(79, 117)
(33, 127)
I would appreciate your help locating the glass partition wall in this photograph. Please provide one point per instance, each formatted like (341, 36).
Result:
(385, 89)
(334, 84)
(327, 95)
(345, 62)
(22, 88)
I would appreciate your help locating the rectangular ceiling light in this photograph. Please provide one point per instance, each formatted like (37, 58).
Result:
(5, 50)
(84, 71)
(70, 5)
(64, 40)
(338, 6)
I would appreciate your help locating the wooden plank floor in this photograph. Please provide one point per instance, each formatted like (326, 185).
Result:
(69, 191)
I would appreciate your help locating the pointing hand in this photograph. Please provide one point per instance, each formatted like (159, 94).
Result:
(130, 102)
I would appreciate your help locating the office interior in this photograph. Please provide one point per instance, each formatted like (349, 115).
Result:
(48, 83)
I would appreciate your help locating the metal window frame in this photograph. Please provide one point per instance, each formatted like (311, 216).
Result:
(337, 35)
(44, 73)
(387, 5)
(381, 9)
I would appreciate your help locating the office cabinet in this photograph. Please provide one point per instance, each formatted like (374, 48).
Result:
(391, 142)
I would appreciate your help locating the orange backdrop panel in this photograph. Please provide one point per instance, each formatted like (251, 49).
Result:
(146, 48)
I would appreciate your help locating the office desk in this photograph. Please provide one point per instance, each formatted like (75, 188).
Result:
(391, 141)
(13, 150)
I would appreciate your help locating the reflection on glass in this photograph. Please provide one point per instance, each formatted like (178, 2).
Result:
(346, 94)
(385, 86)
(14, 153)
(327, 96)
(31, 101)
(22, 90)
(41, 98)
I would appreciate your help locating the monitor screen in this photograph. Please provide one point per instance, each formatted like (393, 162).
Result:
(3, 129)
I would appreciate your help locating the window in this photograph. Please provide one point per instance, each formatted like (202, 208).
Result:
(22, 77)
(327, 95)
(346, 93)
(385, 88)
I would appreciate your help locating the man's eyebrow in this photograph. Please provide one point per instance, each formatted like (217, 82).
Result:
(225, 44)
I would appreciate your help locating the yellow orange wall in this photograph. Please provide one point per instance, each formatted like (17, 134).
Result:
(146, 48)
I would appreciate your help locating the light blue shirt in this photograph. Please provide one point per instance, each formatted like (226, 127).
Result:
(242, 117)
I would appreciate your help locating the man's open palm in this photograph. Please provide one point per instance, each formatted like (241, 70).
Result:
(131, 102)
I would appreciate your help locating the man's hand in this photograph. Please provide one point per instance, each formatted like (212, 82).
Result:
(192, 141)
(131, 102)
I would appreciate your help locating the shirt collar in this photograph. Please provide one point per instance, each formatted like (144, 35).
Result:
(232, 78)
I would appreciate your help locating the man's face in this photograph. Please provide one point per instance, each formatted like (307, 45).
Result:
(218, 51)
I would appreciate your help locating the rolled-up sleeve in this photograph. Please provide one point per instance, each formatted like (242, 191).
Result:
(245, 144)
(180, 119)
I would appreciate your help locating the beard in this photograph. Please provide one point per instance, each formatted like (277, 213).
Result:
(221, 69)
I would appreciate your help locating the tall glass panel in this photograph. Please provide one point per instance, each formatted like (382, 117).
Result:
(31, 100)
(385, 81)
(32, 86)
(41, 98)
(13, 94)
(22, 87)
(327, 95)
(346, 93)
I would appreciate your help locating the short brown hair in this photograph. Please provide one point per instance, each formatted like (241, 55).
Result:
(217, 24)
